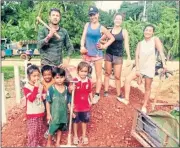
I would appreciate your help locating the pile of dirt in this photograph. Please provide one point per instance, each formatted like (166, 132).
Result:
(170, 88)
(110, 125)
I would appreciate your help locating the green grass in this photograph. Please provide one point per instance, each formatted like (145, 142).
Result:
(18, 57)
(9, 72)
(75, 55)
(177, 59)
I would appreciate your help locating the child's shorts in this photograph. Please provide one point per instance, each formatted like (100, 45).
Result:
(54, 127)
(81, 117)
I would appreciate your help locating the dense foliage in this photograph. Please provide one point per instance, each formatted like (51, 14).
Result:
(19, 20)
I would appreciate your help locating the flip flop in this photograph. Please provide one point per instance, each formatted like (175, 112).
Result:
(123, 100)
(85, 140)
(75, 140)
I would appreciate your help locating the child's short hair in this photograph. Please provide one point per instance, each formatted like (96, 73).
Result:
(58, 71)
(46, 68)
(81, 65)
(31, 68)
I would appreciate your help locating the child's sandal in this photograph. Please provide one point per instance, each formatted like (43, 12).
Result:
(85, 140)
(75, 140)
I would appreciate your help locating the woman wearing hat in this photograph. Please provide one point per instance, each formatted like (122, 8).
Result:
(92, 49)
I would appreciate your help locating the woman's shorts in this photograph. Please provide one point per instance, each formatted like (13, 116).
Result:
(91, 58)
(113, 59)
(145, 76)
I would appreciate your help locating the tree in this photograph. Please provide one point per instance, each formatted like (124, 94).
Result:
(106, 18)
(131, 10)
(154, 10)
(168, 31)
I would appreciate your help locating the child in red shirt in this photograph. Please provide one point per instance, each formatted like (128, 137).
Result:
(34, 106)
(82, 101)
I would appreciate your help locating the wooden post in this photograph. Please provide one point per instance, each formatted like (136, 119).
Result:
(3, 101)
(25, 65)
(17, 83)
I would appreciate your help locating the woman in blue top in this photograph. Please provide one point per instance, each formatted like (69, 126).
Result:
(92, 49)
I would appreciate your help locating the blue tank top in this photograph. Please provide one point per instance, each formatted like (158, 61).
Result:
(92, 38)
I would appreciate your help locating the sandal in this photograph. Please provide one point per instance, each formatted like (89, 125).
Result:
(75, 140)
(85, 140)
(123, 100)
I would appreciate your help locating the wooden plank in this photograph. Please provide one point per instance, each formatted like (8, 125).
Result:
(140, 139)
(157, 92)
(144, 135)
(3, 100)
(165, 142)
(134, 120)
(25, 68)
(17, 82)
(165, 104)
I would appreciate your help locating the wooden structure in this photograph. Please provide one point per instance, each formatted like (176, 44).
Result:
(140, 134)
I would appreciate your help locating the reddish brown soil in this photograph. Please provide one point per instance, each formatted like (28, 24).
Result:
(110, 125)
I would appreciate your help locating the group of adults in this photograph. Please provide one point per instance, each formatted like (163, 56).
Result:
(95, 38)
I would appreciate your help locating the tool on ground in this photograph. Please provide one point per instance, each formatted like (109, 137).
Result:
(70, 120)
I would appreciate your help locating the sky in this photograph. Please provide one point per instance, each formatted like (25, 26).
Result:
(107, 5)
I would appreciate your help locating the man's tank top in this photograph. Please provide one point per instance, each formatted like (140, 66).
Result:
(116, 48)
(92, 38)
(147, 58)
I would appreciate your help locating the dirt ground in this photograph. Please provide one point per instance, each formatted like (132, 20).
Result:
(111, 121)
(110, 124)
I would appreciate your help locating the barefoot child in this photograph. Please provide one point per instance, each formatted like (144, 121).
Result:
(57, 103)
(82, 102)
(47, 81)
(34, 106)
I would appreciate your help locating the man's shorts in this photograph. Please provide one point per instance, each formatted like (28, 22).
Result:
(81, 117)
(113, 59)
(91, 58)
(54, 127)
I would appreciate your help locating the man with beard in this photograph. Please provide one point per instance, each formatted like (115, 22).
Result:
(50, 47)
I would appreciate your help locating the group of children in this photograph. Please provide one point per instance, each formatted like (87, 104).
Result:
(51, 98)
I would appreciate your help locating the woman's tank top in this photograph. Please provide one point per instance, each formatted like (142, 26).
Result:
(116, 48)
(147, 58)
(92, 38)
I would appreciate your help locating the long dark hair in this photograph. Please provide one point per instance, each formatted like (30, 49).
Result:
(31, 68)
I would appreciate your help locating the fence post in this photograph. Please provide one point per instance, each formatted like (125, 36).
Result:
(25, 65)
(17, 83)
(3, 100)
